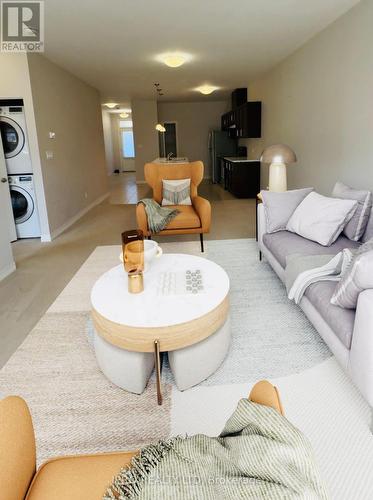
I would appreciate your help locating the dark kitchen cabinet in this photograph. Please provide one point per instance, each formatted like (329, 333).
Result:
(241, 177)
(244, 121)
(239, 97)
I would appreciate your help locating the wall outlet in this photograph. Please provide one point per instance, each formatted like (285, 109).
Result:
(49, 155)
(86, 195)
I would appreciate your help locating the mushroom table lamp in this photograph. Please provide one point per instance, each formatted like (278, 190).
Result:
(278, 156)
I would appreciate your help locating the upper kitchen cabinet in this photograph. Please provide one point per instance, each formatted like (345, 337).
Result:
(245, 119)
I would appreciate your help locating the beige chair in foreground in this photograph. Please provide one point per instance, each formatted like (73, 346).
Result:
(80, 477)
(194, 219)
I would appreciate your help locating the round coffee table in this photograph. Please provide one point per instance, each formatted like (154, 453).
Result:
(184, 309)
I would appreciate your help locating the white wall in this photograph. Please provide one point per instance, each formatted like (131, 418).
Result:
(108, 141)
(76, 178)
(320, 102)
(145, 118)
(15, 83)
(7, 264)
(194, 121)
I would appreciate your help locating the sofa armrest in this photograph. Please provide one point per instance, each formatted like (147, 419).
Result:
(142, 219)
(203, 209)
(361, 354)
(262, 225)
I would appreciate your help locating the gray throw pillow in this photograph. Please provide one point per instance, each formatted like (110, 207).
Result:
(279, 207)
(369, 230)
(357, 277)
(355, 228)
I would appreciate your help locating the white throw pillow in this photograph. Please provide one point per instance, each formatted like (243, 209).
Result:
(321, 219)
(176, 192)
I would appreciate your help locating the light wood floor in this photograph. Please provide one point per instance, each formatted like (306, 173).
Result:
(44, 269)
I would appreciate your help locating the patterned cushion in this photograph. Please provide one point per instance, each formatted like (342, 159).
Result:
(176, 192)
(355, 228)
(358, 277)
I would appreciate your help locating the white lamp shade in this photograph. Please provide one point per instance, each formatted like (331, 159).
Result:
(278, 155)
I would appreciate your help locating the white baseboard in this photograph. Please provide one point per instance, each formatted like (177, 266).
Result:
(76, 217)
(9, 269)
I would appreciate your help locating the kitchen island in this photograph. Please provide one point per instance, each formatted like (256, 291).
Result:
(241, 176)
(175, 159)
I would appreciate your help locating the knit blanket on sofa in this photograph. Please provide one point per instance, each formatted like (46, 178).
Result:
(303, 270)
(258, 455)
(158, 217)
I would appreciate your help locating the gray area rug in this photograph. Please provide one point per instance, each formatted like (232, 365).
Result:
(71, 401)
(271, 337)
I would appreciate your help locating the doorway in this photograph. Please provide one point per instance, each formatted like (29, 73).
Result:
(127, 145)
(168, 139)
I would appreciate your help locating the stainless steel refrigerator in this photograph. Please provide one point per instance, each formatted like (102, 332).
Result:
(220, 145)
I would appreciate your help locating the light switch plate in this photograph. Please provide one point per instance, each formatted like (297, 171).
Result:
(52, 135)
(49, 155)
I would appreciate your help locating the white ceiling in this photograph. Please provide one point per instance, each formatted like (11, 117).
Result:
(112, 44)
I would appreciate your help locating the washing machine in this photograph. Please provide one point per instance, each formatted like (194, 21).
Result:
(24, 206)
(14, 137)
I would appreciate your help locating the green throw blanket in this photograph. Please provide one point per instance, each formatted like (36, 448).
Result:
(158, 217)
(259, 455)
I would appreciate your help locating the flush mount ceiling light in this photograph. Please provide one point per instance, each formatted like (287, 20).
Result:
(160, 127)
(174, 59)
(111, 105)
(206, 89)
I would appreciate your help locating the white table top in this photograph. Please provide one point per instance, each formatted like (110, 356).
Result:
(151, 308)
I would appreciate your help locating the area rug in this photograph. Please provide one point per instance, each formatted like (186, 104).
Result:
(77, 410)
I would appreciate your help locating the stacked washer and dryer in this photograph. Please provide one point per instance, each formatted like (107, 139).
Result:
(19, 167)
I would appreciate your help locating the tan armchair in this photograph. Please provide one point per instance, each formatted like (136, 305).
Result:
(195, 219)
(79, 477)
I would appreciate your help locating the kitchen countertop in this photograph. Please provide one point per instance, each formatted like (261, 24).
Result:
(174, 159)
(239, 159)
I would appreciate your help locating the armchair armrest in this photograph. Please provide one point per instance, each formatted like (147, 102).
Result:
(203, 209)
(142, 219)
(17, 448)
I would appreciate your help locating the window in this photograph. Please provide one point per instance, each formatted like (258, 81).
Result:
(125, 124)
(128, 147)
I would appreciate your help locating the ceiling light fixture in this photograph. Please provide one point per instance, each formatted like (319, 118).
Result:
(111, 105)
(124, 115)
(174, 59)
(160, 127)
(207, 89)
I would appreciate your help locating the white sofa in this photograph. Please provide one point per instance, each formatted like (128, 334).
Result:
(348, 333)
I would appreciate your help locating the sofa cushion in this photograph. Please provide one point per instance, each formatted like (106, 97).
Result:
(77, 478)
(285, 243)
(341, 321)
(187, 218)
